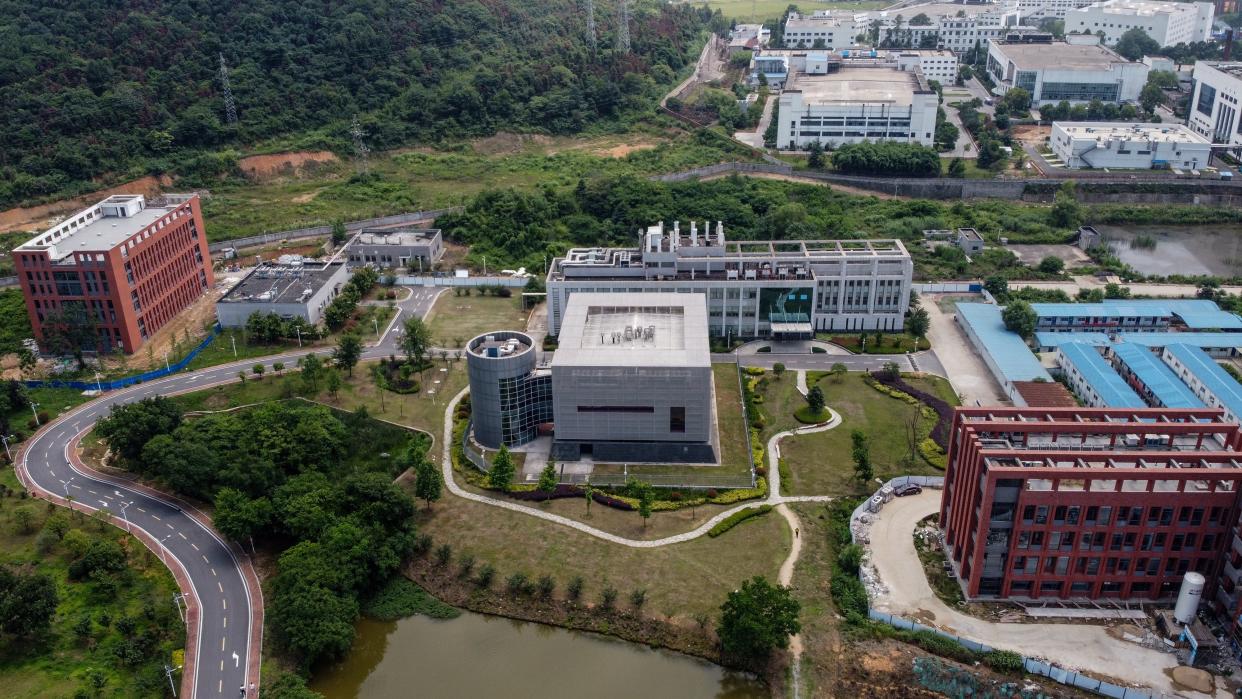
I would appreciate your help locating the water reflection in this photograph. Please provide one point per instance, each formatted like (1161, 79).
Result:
(476, 655)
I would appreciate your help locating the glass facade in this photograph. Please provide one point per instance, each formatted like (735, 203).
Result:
(1207, 98)
(525, 403)
(1025, 79)
(1080, 92)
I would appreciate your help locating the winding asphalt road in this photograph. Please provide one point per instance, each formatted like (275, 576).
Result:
(220, 590)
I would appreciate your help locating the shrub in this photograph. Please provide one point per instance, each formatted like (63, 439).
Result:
(738, 495)
(608, 598)
(444, 554)
(401, 598)
(849, 594)
(465, 565)
(545, 587)
(486, 574)
(1004, 661)
(574, 589)
(422, 544)
(850, 558)
(517, 584)
(736, 518)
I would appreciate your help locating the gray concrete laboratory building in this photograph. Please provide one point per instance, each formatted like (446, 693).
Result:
(296, 289)
(630, 381)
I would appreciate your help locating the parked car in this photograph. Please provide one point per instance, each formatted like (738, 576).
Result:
(907, 489)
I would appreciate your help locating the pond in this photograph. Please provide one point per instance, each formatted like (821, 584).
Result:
(1189, 250)
(477, 656)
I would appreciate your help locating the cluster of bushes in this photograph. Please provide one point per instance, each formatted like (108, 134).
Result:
(887, 158)
(988, 134)
(933, 453)
(338, 313)
(269, 328)
(737, 518)
(943, 411)
(402, 598)
(288, 475)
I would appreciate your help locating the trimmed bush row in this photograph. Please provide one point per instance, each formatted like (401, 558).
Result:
(737, 518)
(944, 411)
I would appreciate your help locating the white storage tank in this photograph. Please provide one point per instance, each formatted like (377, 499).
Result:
(1188, 597)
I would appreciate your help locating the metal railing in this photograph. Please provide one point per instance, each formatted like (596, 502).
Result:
(130, 380)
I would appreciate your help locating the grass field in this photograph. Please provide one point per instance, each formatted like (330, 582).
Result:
(820, 463)
(428, 179)
(63, 663)
(456, 319)
(681, 580)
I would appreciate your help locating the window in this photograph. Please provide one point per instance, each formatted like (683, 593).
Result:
(1207, 98)
(677, 419)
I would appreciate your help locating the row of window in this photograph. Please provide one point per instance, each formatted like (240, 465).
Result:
(1129, 541)
(1101, 515)
(1113, 565)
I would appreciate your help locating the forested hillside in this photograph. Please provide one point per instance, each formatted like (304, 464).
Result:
(103, 89)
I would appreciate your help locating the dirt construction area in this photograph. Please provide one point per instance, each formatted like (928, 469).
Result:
(1031, 134)
(898, 586)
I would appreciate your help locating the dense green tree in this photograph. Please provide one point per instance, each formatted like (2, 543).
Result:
(758, 618)
(1020, 318)
(548, 478)
(918, 323)
(429, 481)
(127, 428)
(1066, 211)
(239, 517)
(415, 340)
(348, 351)
(860, 449)
(501, 475)
(997, 286)
(28, 602)
(815, 400)
(815, 155)
(102, 558)
(1135, 44)
(313, 622)
(887, 158)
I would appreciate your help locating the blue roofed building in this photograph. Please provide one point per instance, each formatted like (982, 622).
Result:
(1210, 383)
(1049, 341)
(1094, 380)
(1222, 344)
(1134, 315)
(1005, 353)
(1151, 378)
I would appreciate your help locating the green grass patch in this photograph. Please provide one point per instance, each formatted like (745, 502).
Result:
(876, 343)
(806, 416)
(14, 322)
(401, 598)
(737, 518)
(455, 319)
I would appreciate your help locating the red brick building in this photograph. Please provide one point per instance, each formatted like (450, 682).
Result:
(117, 271)
(1091, 503)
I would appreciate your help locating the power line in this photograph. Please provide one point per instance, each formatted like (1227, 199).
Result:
(590, 9)
(623, 31)
(230, 106)
(360, 147)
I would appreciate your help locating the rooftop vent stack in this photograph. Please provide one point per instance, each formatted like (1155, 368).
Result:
(720, 233)
(1228, 44)
(694, 234)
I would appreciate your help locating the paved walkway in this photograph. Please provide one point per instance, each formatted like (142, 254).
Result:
(774, 488)
(960, 362)
(1084, 647)
(755, 138)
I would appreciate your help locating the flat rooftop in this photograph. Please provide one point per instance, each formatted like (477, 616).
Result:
(281, 284)
(1006, 349)
(1058, 56)
(1139, 7)
(98, 228)
(1166, 133)
(634, 330)
(397, 236)
(1233, 68)
(500, 344)
(852, 85)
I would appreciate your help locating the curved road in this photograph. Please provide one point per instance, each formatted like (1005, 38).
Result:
(221, 591)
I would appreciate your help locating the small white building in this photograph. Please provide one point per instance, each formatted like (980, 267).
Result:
(935, 64)
(830, 30)
(1128, 146)
(855, 104)
(748, 37)
(1168, 23)
(1034, 10)
(1214, 111)
(1056, 71)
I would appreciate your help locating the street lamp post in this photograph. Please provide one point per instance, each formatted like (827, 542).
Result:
(234, 339)
(98, 387)
(125, 516)
(299, 331)
(166, 362)
(34, 408)
(163, 548)
(5, 438)
(375, 321)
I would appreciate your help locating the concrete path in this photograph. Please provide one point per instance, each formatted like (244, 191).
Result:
(774, 488)
(960, 362)
(1081, 647)
(754, 139)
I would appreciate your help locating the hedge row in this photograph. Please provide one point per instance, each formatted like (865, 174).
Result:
(737, 518)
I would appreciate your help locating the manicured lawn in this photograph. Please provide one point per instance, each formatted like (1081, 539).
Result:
(681, 580)
(821, 638)
(57, 664)
(423, 410)
(456, 319)
(891, 343)
(936, 386)
(820, 463)
(735, 458)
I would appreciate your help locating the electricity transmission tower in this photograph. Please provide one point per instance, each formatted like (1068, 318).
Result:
(230, 106)
(623, 31)
(360, 148)
(590, 8)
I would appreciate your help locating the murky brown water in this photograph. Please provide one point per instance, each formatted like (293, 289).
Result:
(481, 656)
(1209, 250)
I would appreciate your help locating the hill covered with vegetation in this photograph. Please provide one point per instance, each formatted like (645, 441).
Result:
(103, 91)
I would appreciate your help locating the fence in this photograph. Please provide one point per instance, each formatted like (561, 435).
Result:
(8, 281)
(948, 287)
(1034, 666)
(317, 231)
(425, 280)
(130, 380)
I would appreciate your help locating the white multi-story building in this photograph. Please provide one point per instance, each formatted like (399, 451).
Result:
(1168, 23)
(829, 30)
(748, 37)
(1034, 10)
(1214, 111)
(855, 104)
(778, 289)
(1058, 71)
(777, 64)
(1125, 145)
